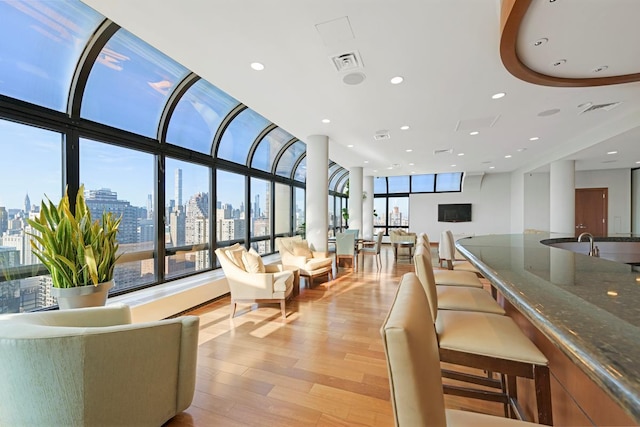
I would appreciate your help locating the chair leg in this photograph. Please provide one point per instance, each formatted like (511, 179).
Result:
(233, 309)
(282, 309)
(542, 382)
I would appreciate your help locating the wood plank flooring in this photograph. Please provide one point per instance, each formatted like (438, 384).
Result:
(322, 366)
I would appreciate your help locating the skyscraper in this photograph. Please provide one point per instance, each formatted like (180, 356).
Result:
(178, 187)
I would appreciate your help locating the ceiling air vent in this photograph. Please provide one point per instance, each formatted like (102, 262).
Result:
(447, 151)
(381, 135)
(347, 61)
(606, 107)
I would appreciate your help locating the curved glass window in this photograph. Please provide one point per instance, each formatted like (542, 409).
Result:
(332, 168)
(239, 135)
(268, 148)
(398, 184)
(198, 115)
(343, 182)
(340, 173)
(380, 185)
(289, 158)
(299, 210)
(423, 183)
(129, 85)
(282, 208)
(301, 171)
(449, 181)
(41, 42)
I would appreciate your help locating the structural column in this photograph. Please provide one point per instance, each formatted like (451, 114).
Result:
(562, 197)
(367, 208)
(317, 194)
(355, 198)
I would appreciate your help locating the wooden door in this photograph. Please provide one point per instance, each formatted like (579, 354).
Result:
(591, 211)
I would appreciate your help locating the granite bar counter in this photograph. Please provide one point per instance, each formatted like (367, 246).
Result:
(587, 307)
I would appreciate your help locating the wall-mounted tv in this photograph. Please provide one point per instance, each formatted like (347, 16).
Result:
(454, 212)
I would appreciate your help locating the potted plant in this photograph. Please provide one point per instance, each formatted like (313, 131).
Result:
(79, 253)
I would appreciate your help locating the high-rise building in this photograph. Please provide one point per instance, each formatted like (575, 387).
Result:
(178, 187)
(149, 206)
(4, 220)
(105, 200)
(27, 204)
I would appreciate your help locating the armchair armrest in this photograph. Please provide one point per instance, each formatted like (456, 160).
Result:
(111, 315)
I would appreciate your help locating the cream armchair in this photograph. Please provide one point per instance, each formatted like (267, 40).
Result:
(92, 367)
(251, 281)
(400, 235)
(295, 251)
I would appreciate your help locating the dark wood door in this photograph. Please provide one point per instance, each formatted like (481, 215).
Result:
(591, 211)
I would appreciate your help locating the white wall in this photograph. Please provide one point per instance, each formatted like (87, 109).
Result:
(491, 209)
(618, 181)
(536, 201)
(517, 202)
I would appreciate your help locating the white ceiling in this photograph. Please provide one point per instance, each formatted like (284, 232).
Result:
(446, 50)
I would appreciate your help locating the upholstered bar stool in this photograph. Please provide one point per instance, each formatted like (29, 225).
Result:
(449, 254)
(451, 277)
(460, 298)
(493, 343)
(413, 362)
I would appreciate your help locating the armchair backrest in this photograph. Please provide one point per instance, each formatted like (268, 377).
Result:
(285, 244)
(413, 359)
(57, 368)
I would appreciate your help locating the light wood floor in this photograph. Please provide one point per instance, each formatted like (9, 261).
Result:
(322, 366)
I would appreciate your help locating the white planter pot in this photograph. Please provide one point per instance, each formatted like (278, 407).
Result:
(82, 296)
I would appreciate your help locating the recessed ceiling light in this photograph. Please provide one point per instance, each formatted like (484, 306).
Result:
(405, 127)
(638, 163)
(326, 121)
(534, 138)
(375, 170)
(409, 150)
(390, 167)
(366, 161)
(612, 152)
(508, 156)
(453, 166)
(412, 172)
(612, 293)
(492, 167)
(397, 80)
(540, 42)
(257, 66)
(498, 95)
(520, 150)
(350, 145)
(559, 62)
(600, 68)
(460, 154)
(475, 132)
(411, 164)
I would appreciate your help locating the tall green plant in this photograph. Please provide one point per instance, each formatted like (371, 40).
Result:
(76, 250)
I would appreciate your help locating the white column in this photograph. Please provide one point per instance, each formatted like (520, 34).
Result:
(367, 208)
(562, 197)
(355, 198)
(317, 206)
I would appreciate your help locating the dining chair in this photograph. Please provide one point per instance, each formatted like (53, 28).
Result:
(368, 249)
(346, 248)
(413, 362)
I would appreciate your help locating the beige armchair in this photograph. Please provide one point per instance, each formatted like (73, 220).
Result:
(251, 281)
(296, 251)
(400, 235)
(92, 367)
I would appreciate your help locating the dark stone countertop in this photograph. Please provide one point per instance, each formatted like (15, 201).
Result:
(588, 307)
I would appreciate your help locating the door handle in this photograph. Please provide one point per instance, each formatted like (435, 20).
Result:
(581, 226)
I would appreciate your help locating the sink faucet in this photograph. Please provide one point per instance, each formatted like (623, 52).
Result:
(593, 250)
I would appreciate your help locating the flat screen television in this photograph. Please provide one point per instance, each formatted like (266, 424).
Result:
(454, 212)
